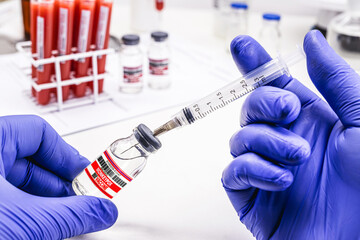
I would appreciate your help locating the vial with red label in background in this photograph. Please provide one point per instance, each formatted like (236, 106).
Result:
(118, 165)
(159, 60)
(131, 59)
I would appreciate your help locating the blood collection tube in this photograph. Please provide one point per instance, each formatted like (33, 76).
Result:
(85, 25)
(75, 35)
(33, 14)
(76, 22)
(101, 34)
(25, 6)
(64, 40)
(55, 36)
(56, 23)
(159, 4)
(96, 18)
(44, 44)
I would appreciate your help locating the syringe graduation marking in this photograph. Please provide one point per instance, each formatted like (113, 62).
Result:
(201, 115)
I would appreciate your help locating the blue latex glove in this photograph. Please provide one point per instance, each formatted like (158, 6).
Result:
(296, 168)
(36, 170)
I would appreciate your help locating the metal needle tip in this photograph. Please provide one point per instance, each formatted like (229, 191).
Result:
(170, 125)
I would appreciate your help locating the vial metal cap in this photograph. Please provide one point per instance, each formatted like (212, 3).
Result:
(159, 36)
(130, 39)
(146, 138)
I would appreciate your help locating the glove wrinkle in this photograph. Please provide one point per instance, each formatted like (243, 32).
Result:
(247, 208)
(28, 174)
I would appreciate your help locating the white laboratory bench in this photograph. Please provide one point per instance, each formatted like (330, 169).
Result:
(179, 194)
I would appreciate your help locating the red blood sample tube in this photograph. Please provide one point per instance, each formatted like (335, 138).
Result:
(44, 44)
(86, 19)
(75, 35)
(76, 22)
(55, 33)
(93, 38)
(64, 39)
(102, 34)
(56, 23)
(96, 19)
(159, 4)
(33, 14)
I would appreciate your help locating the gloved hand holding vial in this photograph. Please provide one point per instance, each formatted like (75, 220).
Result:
(36, 197)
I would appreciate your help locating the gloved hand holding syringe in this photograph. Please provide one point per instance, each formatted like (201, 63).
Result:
(126, 157)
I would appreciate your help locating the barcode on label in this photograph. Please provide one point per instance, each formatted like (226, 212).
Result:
(110, 172)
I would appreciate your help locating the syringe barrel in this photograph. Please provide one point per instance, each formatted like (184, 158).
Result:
(294, 57)
(184, 117)
(260, 76)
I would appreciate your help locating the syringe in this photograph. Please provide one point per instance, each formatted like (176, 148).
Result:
(229, 93)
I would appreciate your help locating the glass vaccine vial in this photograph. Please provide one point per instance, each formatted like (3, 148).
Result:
(344, 34)
(270, 35)
(237, 22)
(159, 59)
(118, 165)
(131, 59)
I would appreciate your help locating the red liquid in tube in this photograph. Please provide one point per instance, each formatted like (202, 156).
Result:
(76, 23)
(64, 39)
(44, 44)
(54, 44)
(96, 18)
(56, 23)
(75, 35)
(86, 18)
(102, 34)
(159, 4)
(33, 14)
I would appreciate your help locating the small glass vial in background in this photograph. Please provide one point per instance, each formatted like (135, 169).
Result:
(221, 11)
(237, 22)
(131, 60)
(270, 35)
(159, 59)
(118, 165)
(344, 34)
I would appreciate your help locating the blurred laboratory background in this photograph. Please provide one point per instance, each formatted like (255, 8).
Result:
(96, 69)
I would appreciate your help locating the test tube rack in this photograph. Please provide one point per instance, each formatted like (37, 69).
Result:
(24, 47)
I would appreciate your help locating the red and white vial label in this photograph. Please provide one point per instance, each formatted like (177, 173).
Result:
(133, 74)
(107, 176)
(158, 66)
